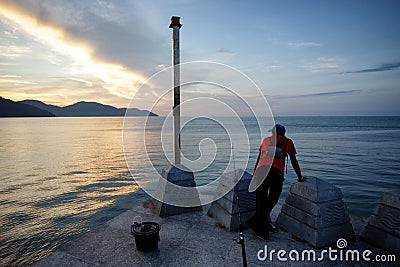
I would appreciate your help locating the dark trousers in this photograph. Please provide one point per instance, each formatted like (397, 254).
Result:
(267, 195)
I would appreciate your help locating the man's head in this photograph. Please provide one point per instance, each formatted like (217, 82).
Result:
(278, 129)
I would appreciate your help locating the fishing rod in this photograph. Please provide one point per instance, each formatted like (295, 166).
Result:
(239, 240)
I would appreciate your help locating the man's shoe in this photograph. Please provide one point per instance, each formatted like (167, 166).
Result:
(263, 236)
(272, 228)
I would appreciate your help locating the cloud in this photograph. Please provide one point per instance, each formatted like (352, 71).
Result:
(16, 81)
(262, 67)
(318, 94)
(89, 44)
(13, 50)
(10, 76)
(323, 64)
(382, 67)
(371, 101)
(85, 82)
(225, 51)
(330, 93)
(303, 44)
(131, 39)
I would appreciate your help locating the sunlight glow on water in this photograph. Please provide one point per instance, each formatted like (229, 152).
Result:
(61, 177)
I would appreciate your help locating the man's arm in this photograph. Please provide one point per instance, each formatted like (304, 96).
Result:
(296, 168)
(258, 159)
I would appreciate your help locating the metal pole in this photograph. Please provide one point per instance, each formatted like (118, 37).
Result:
(175, 25)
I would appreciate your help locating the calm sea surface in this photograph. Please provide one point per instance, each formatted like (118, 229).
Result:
(61, 177)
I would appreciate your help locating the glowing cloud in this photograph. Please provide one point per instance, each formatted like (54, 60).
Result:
(117, 79)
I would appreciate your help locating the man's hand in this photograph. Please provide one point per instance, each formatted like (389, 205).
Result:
(301, 179)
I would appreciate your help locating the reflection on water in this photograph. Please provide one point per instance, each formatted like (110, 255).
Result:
(59, 178)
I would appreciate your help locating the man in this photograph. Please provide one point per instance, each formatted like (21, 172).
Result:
(269, 176)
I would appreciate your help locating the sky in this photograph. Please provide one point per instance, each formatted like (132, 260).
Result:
(306, 57)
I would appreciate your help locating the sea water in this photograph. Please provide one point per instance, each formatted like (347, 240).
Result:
(61, 177)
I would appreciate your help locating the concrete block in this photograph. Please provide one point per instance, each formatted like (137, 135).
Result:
(330, 215)
(320, 237)
(386, 218)
(380, 238)
(391, 199)
(303, 203)
(164, 210)
(247, 202)
(181, 190)
(316, 190)
(229, 220)
(315, 212)
(383, 228)
(188, 196)
(175, 173)
(229, 179)
(225, 208)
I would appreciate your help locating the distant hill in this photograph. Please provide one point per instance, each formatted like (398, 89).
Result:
(90, 109)
(9, 108)
(87, 109)
(50, 108)
(137, 112)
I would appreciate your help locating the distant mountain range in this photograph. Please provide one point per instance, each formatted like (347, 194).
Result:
(9, 108)
(35, 108)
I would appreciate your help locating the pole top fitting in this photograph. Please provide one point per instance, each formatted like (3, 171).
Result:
(175, 21)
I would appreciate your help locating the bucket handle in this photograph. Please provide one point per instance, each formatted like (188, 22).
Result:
(140, 218)
(136, 223)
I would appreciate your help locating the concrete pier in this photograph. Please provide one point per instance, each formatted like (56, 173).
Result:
(189, 239)
(383, 227)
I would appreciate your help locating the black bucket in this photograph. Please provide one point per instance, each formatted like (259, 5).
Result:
(146, 235)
